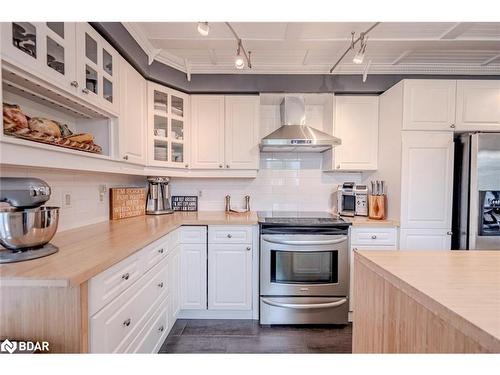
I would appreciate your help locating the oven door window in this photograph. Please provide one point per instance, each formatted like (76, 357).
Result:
(304, 267)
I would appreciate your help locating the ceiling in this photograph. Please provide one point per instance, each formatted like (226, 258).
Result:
(313, 47)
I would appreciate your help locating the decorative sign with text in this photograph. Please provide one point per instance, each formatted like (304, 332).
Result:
(126, 202)
(185, 203)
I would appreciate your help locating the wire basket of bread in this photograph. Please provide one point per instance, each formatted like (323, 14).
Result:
(43, 130)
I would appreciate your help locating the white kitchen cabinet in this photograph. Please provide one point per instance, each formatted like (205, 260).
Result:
(241, 132)
(207, 131)
(429, 104)
(133, 115)
(426, 180)
(369, 238)
(229, 276)
(194, 276)
(478, 105)
(225, 132)
(167, 127)
(425, 239)
(97, 68)
(44, 49)
(356, 124)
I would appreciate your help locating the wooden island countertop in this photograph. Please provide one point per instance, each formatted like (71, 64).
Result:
(86, 251)
(418, 301)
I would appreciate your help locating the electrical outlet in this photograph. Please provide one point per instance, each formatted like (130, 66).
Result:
(67, 199)
(103, 189)
(200, 193)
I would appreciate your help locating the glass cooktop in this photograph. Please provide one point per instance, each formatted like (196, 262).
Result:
(299, 217)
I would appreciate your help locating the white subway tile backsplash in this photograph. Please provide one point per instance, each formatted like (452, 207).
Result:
(285, 181)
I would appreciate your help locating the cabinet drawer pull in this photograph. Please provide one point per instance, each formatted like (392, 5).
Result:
(74, 83)
(374, 237)
(127, 322)
(449, 233)
(229, 235)
(220, 165)
(160, 285)
(452, 126)
(125, 276)
(85, 90)
(125, 157)
(161, 251)
(249, 248)
(161, 329)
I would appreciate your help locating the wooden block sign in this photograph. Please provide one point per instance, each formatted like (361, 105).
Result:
(184, 203)
(126, 202)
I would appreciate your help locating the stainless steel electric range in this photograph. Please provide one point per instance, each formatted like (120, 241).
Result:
(304, 270)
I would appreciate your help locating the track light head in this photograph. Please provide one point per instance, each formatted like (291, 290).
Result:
(203, 28)
(360, 55)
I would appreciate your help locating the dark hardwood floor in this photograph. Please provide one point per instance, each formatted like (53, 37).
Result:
(247, 336)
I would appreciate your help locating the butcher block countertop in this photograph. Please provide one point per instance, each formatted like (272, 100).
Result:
(84, 252)
(361, 221)
(461, 287)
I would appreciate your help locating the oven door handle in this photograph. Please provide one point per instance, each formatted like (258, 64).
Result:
(307, 243)
(304, 306)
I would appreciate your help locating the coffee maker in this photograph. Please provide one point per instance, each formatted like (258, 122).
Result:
(158, 200)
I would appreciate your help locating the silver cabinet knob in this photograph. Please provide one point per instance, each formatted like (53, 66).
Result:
(338, 166)
(85, 90)
(354, 249)
(374, 237)
(227, 165)
(160, 285)
(229, 235)
(220, 165)
(127, 322)
(449, 233)
(161, 251)
(125, 157)
(249, 248)
(161, 329)
(125, 276)
(452, 126)
(186, 165)
(74, 83)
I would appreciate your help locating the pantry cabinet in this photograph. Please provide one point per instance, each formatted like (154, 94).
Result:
(44, 49)
(478, 105)
(429, 104)
(167, 127)
(426, 180)
(97, 68)
(225, 132)
(356, 124)
(229, 276)
(133, 115)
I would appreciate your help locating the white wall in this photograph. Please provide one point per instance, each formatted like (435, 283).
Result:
(86, 208)
(285, 181)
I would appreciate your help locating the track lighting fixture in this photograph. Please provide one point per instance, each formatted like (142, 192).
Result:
(242, 57)
(360, 55)
(239, 62)
(203, 28)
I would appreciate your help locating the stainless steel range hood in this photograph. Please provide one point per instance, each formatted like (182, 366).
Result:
(294, 135)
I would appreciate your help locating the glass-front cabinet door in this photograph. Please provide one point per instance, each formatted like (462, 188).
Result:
(167, 126)
(97, 68)
(45, 49)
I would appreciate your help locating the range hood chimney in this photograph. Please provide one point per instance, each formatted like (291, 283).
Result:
(294, 135)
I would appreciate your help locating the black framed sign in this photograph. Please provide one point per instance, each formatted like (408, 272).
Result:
(185, 203)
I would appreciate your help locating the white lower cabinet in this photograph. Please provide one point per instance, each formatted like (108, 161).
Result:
(194, 276)
(229, 276)
(425, 239)
(368, 238)
(174, 277)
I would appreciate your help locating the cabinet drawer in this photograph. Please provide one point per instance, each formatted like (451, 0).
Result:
(154, 253)
(150, 338)
(193, 234)
(373, 236)
(114, 327)
(107, 285)
(229, 234)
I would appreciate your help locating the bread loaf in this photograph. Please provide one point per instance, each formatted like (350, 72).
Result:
(82, 138)
(13, 117)
(45, 126)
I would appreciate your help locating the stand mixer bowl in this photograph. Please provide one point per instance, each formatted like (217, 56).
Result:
(22, 229)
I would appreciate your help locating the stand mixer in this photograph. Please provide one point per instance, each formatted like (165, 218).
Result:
(26, 227)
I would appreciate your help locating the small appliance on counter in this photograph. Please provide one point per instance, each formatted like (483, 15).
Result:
(26, 227)
(158, 199)
(361, 205)
(346, 199)
(377, 200)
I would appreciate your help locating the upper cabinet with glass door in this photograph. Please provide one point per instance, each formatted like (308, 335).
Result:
(167, 125)
(97, 68)
(43, 49)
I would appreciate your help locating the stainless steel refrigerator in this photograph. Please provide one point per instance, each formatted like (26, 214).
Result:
(476, 200)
